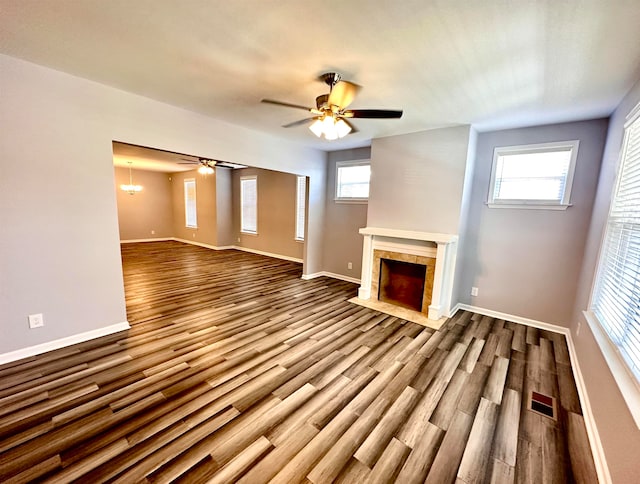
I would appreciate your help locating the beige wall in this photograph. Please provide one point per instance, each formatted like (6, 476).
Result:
(276, 213)
(207, 230)
(147, 214)
(342, 241)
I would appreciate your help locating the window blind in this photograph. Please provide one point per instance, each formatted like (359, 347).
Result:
(616, 297)
(249, 205)
(301, 191)
(191, 219)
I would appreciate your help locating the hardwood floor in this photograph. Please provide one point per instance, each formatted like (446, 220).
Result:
(237, 370)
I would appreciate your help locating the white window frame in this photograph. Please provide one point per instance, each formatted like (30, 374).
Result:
(346, 164)
(627, 382)
(530, 149)
(243, 228)
(301, 196)
(187, 217)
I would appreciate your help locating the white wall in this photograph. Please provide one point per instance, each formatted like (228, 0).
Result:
(618, 432)
(417, 180)
(59, 251)
(526, 262)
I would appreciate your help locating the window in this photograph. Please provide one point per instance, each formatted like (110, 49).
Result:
(249, 204)
(190, 203)
(352, 181)
(615, 301)
(533, 176)
(301, 192)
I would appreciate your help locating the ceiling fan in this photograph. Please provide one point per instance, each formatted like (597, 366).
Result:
(330, 114)
(206, 165)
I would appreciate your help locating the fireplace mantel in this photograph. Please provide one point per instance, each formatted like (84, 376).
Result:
(416, 243)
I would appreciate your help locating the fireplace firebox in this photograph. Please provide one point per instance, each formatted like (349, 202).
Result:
(402, 283)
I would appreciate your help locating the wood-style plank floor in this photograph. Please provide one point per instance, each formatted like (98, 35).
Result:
(235, 369)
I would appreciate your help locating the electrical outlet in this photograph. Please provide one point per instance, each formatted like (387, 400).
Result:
(474, 291)
(36, 320)
(194, 235)
(153, 232)
(349, 265)
(578, 328)
(238, 239)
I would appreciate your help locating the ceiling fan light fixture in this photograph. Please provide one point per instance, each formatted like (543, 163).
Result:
(205, 170)
(317, 127)
(342, 128)
(131, 189)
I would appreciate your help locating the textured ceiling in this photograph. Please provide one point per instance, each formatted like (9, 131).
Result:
(494, 64)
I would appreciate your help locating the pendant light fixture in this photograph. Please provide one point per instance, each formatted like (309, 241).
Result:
(131, 189)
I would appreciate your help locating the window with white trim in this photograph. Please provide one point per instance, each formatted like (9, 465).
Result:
(533, 176)
(352, 181)
(301, 195)
(190, 215)
(615, 301)
(249, 204)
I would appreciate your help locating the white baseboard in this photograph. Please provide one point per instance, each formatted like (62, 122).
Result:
(237, 247)
(135, 241)
(308, 277)
(597, 451)
(62, 342)
(201, 244)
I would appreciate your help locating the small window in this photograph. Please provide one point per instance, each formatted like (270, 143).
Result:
(191, 219)
(249, 204)
(301, 192)
(533, 176)
(352, 181)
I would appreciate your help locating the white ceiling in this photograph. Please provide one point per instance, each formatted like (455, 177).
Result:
(495, 64)
(150, 159)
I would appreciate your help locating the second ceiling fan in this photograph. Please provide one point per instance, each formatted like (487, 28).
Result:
(330, 116)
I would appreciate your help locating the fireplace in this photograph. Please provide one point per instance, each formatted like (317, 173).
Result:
(410, 271)
(402, 283)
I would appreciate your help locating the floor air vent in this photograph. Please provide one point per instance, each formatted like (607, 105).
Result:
(543, 404)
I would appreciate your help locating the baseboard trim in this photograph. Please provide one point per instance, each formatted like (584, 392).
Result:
(135, 241)
(268, 254)
(62, 342)
(599, 459)
(201, 244)
(333, 275)
(512, 317)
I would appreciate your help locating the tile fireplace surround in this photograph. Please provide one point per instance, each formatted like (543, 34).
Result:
(421, 244)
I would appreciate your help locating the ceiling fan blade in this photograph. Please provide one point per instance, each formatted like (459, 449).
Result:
(188, 162)
(288, 105)
(342, 94)
(298, 123)
(373, 113)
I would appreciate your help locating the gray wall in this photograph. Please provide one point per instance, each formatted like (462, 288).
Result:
(526, 262)
(417, 180)
(59, 250)
(276, 213)
(618, 432)
(342, 242)
(146, 211)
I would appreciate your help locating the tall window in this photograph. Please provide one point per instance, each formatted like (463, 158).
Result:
(249, 204)
(190, 216)
(533, 176)
(352, 180)
(616, 297)
(301, 192)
